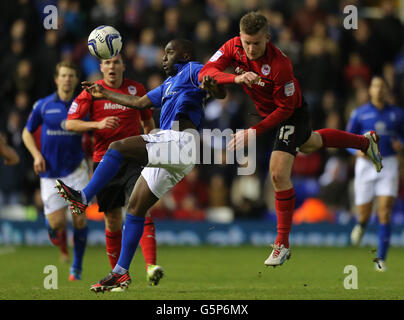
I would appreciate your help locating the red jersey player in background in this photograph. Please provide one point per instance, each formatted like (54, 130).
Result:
(266, 75)
(112, 122)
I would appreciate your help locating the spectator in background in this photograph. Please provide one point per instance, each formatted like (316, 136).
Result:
(190, 12)
(223, 25)
(356, 68)
(289, 46)
(203, 36)
(153, 14)
(390, 30)
(303, 20)
(369, 47)
(45, 58)
(73, 22)
(8, 153)
(171, 28)
(315, 73)
(147, 49)
(107, 12)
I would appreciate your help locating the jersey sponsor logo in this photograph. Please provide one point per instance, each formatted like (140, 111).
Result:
(266, 69)
(113, 106)
(50, 132)
(132, 90)
(216, 56)
(289, 89)
(73, 108)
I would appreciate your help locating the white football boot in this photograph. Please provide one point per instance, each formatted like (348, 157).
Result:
(154, 274)
(278, 256)
(357, 234)
(380, 265)
(373, 152)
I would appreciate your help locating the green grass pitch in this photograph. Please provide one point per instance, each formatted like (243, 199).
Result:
(209, 273)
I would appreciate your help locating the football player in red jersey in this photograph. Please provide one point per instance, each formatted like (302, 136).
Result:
(266, 75)
(112, 122)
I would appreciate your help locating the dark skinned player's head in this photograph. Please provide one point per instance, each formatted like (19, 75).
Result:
(176, 51)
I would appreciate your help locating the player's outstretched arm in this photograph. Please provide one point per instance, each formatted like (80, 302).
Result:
(134, 102)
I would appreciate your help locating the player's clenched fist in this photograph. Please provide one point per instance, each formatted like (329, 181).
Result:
(95, 89)
(248, 78)
(110, 122)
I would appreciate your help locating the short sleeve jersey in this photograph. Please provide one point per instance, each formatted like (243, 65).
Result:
(61, 149)
(98, 109)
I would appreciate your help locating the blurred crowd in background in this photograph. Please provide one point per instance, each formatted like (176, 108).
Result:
(334, 67)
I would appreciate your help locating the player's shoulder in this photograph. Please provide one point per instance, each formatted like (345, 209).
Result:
(194, 65)
(277, 57)
(43, 102)
(233, 44)
(365, 108)
(395, 108)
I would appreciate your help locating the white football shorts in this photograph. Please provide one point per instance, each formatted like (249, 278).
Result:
(52, 201)
(172, 155)
(369, 184)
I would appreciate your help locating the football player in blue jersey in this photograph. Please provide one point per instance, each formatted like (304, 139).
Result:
(60, 155)
(387, 120)
(164, 155)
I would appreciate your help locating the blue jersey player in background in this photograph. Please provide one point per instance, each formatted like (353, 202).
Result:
(164, 154)
(60, 155)
(388, 121)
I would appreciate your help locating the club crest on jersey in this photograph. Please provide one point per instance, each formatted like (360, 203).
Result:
(266, 69)
(132, 90)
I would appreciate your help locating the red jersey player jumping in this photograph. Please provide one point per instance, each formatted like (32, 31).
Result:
(266, 75)
(111, 122)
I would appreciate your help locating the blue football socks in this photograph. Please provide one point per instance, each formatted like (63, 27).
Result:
(79, 242)
(105, 171)
(132, 232)
(384, 233)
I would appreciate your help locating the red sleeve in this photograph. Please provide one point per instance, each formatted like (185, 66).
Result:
(147, 113)
(217, 63)
(286, 95)
(80, 106)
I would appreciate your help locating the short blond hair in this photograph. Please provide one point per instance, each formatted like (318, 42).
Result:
(253, 22)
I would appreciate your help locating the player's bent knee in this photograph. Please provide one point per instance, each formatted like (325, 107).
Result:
(80, 222)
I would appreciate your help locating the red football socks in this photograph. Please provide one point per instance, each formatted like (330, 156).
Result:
(60, 241)
(148, 242)
(333, 138)
(284, 205)
(113, 242)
